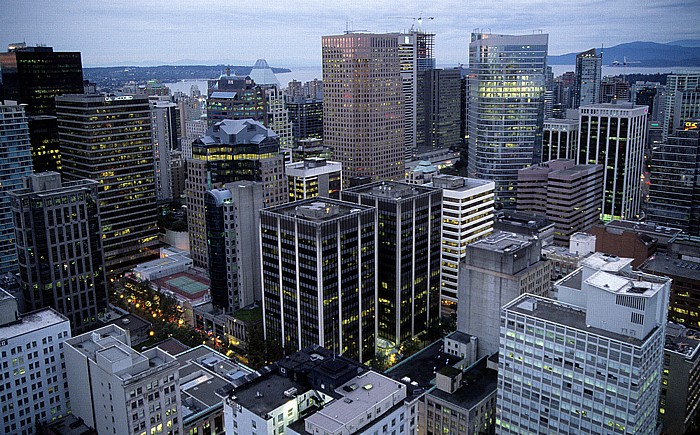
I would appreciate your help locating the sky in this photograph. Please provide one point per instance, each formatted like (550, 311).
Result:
(288, 32)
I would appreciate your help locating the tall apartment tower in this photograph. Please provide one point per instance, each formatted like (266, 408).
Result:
(506, 107)
(467, 216)
(108, 139)
(408, 251)
(319, 283)
(165, 141)
(416, 53)
(560, 139)
(59, 245)
(590, 362)
(566, 193)
(232, 150)
(674, 194)
(681, 101)
(314, 177)
(34, 76)
(496, 270)
(33, 366)
(363, 114)
(614, 135)
(15, 164)
(588, 77)
(120, 390)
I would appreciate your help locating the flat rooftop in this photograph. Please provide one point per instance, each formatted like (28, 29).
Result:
(502, 241)
(479, 383)
(662, 264)
(187, 285)
(457, 183)
(390, 190)
(318, 209)
(266, 393)
(422, 366)
(607, 263)
(31, 322)
(680, 339)
(565, 315)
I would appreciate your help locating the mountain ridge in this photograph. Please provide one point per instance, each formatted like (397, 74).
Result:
(642, 54)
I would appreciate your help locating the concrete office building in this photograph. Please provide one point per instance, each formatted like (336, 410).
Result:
(590, 362)
(496, 270)
(363, 117)
(15, 164)
(568, 194)
(416, 54)
(59, 244)
(674, 194)
(165, 141)
(108, 139)
(506, 107)
(680, 386)
(314, 177)
(560, 139)
(35, 76)
(322, 252)
(33, 369)
(232, 150)
(681, 102)
(123, 391)
(467, 216)
(408, 253)
(588, 78)
(614, 135)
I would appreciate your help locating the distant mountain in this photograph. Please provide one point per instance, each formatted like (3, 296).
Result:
(642, 54)
(686, 43)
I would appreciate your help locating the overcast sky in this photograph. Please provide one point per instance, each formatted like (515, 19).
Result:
(288, 32)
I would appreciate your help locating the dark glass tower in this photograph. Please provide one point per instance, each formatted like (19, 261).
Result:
(108, 139)
(216, 244)
(35, 76)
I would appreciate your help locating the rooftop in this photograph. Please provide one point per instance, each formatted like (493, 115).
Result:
(478, 383)
(661, 264)
(318, 209)
(419, 369)
(501, 241)
(266, 393)
(680, 339)
(190, 286)
(607, 263)
(457, 183)
(31, 322)
(393, 190)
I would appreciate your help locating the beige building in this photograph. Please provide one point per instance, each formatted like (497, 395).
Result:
(363, 115)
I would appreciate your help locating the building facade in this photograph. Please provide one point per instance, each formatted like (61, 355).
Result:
(235, 97)
(588, 77)
(681, 102)
(363, 117)
(314, 177)
(165, 141)
(108, 139)
(438, 108)
(319, 280)
(560, 139)
(506, 107)
(614, 135)
(59, 245)
(408, 252)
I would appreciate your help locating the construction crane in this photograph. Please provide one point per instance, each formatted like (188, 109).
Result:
(624, 64)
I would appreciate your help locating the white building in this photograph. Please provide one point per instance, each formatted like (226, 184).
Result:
(590, 362)
(467, 216)
(123, 391)
(314, 177)
(32, 367)
(169, 263)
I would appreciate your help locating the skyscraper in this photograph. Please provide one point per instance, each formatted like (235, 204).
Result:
(15, 164)
(408, 250)
(438, 117)
(587, 84)
(59, 245)
(363, 115)
(560, 139)
(165, 140)
(34, 76)
(319, 275)
(506, 107)
(614, 135)
(235, 97)
(416, 53)
(107, 138)
(681, 101)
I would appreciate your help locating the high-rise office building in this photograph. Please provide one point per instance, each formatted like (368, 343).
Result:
(314, 177)
(560, 139)
(118, 390)
(35, 390)
(165, 140)
(467, 216)
(408, 252)
(588, 76)
(674, 194)
(614, 89)
(496, 270)
(438, 108)
(363, 116)
(506, 107)
(235, 97)
(681, 101)
(107, 138)
(232, 150)
(319, 284)
(34, 76)
(416, 53)
(566, 193)
(590, 362)
(59, 245)
(306, 116)
(614, 135)
(15, 164)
